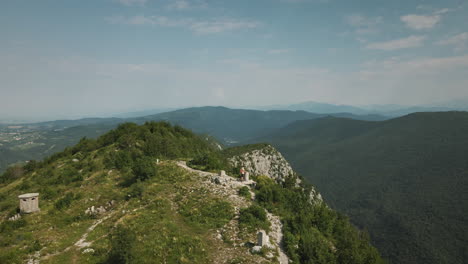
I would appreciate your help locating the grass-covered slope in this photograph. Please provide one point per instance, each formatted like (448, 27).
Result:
(110, 201)
(405, 180)
(142, 220)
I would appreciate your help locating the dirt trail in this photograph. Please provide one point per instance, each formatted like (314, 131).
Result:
(81, 243)
(276, 235)
(230, 185)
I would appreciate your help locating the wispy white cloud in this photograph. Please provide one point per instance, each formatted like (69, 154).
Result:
(147, 20)
(364, 25)
(179, 4)
(221, 25)
(279, 51)
(197, 26)
(420, 66)
(187, 4)
(460, 41)
(132, 2)
(427, 21)
(418, 80)
(421, 22)
(403, 43)
(306, 1)
(442, 11)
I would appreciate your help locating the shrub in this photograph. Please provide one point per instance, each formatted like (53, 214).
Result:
(11, 257)
(144, 169)
(136, 190)
(254, 218)
(12, 173)
(66, 201)
(245, 192)
(208, 161)
(8, 226)
(122, 241)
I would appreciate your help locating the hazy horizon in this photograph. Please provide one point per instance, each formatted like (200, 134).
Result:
(68, 59)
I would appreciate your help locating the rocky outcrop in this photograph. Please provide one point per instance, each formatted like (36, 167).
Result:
(269, 162)
(265, 161)
(314, 196)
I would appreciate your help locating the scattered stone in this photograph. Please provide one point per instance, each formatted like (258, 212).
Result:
(217, 180)
(88, 250)
(99, 210)
(35, 259)
(247, 176)
(15, 217)
(110, 203)
(256, 249)
(222, 173)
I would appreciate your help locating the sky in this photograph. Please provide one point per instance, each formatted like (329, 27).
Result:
(66, 58)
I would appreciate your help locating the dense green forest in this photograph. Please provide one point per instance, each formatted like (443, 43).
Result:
(159, 212)
(404, 180)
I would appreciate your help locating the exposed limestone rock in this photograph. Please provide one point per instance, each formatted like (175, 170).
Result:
(315, 197)
(266, 161)
(269, 162)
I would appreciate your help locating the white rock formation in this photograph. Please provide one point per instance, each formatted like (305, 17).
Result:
(269, 162)
(266, 161)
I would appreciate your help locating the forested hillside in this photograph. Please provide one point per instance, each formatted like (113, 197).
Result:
(405, 179)
(128, 197)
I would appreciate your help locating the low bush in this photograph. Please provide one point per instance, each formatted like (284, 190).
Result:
(254, 218)
(245, 192)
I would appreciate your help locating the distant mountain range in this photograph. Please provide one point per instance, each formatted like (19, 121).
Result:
(229, 126)
(380, 110)
(404, 179)
(370, 112)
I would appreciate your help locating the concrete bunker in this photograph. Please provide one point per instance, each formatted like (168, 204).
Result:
(29, 203)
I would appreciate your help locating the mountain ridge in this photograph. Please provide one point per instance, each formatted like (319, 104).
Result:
(403, 179)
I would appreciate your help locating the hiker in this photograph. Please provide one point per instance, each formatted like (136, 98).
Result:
(242, 174)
